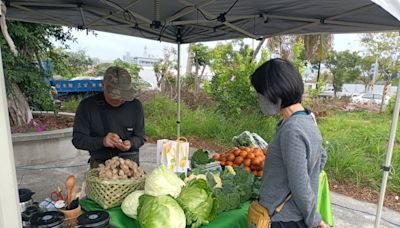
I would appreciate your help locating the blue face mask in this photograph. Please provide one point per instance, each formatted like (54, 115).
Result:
(267, 107)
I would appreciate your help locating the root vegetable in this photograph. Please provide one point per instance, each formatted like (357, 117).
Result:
(119, 169)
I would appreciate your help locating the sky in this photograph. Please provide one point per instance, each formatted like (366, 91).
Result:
(108, 46)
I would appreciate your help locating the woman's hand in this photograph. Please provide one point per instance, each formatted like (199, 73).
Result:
(323, 225)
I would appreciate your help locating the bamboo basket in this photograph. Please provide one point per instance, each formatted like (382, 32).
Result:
(110, 193)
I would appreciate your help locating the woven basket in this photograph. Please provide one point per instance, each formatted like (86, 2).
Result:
(110, 193)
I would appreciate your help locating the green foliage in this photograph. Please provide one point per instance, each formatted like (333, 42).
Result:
(356, 142)
(199, 54)
(205, 123)
(356, 146)
(236, 189)
(390, 106)
(230, 86)
(317, 47)
(70, 64)
(384, 47)
(344, 67)
(198, 203)
(200, 157)
(298, 56)
(70, 105)
(32, 41)
(133, 69)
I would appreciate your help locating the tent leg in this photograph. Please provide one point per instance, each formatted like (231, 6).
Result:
(389, 153)
(10, 215)
(178, 111)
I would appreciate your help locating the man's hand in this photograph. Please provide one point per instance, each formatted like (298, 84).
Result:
(124, 146)
(111, 140)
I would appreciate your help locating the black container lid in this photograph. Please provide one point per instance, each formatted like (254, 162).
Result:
(94, 219)
(47, 219)
(25, 194)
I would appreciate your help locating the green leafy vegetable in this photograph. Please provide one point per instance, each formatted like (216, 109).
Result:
(161, 211)
(131, 203)
(200, 157)
(163, 182)
(256, 188)
(247, 138)
(236, 189)
(196, 199)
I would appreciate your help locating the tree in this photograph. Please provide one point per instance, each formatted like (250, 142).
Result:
(133, 69)
(230, 85)
(70, 64)
(365, 67)
(290, 48)
(25, 82)
(164, 71)
(344, 66)
(200, 56)
(317, 48)
(385, 48)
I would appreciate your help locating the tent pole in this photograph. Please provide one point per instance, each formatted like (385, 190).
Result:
(386, 168)
(178, 111)
(10, 215)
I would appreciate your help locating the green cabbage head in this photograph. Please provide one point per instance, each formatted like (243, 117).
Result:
(160, 212)
(163, 182)
(196, 199)
(131, 203)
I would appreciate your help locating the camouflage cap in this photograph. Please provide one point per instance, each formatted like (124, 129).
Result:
(118, 84)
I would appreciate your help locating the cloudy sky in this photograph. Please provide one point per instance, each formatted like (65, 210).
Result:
(108, 46)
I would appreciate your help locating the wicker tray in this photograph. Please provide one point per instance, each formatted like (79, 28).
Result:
(110, 193)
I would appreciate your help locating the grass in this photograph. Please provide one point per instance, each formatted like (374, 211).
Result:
(70, 105)
(356, 145)
(356, 142)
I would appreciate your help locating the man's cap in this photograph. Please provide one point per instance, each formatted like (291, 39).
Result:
(118, 84)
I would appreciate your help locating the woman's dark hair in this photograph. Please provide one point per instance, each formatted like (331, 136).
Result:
(279, 79)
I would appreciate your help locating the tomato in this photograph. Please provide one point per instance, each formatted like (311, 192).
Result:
(247, 162)
(231, 157)
(243, 154)
(250, 155)
(216, 157)
(238, 160)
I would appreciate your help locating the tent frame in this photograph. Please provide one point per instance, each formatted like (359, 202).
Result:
(9, 207)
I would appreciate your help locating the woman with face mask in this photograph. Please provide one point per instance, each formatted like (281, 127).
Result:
(295, 156)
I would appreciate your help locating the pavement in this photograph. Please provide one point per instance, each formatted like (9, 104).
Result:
(42, 179)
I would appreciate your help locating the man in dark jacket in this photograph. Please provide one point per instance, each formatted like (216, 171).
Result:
(111, 123)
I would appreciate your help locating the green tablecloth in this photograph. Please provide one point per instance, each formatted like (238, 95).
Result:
(231, 219)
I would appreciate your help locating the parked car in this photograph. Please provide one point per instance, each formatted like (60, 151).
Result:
(374, 98)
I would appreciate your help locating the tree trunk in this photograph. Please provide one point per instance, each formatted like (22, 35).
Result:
(18, 108)
(202, 72)
(196, 81)
(319, 73)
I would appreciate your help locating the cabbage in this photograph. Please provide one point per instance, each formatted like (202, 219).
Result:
(163, 182)
(198, 203)
(161, 211)
(131, 203)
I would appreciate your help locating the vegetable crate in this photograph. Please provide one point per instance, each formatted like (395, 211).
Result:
(110, 193)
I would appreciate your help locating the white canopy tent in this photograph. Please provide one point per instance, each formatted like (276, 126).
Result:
(187, 21)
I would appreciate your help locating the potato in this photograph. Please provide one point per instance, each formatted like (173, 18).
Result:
(121, 172)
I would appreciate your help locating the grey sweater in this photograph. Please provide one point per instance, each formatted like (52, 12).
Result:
(294, 161)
